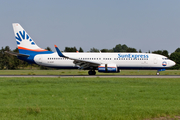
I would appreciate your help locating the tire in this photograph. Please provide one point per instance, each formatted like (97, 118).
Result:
(92, 72)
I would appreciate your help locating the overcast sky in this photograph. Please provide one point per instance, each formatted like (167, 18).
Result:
(141, 24)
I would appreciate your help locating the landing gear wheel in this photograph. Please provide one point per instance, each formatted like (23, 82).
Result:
(92, 72)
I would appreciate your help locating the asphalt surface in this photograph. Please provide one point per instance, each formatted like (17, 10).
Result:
(94, 76)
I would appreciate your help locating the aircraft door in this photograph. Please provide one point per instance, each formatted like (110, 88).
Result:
(155, 61)
(40, 59)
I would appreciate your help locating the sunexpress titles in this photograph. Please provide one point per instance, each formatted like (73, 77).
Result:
(132, 56)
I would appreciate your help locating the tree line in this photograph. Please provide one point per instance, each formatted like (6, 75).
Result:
(12, 62)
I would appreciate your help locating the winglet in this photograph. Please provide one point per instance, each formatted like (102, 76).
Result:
(58, 51)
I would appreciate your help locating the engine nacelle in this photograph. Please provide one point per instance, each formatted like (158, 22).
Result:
(108, 68)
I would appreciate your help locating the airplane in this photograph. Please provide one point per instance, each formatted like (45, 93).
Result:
(102, 62)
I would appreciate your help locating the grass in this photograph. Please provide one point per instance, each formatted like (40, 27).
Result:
(89, 98)
(85, 72)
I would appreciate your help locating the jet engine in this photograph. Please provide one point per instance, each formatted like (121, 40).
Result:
(107, 68)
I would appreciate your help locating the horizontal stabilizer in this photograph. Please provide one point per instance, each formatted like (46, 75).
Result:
(17, 54)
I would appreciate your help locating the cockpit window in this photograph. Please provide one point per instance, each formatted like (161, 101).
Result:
(165, 58)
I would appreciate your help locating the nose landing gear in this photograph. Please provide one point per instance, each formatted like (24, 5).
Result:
(157, 73)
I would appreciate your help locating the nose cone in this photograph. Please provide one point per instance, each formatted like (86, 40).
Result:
(172, 63)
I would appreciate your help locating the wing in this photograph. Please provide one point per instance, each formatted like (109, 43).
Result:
(84, 64)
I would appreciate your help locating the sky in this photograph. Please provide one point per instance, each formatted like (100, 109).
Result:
(141, 24)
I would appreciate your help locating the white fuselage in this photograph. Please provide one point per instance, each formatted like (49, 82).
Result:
(121, 60)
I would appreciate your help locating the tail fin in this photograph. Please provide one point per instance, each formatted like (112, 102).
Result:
(25, 43)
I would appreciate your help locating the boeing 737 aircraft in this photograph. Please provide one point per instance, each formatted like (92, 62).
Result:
(102, 62)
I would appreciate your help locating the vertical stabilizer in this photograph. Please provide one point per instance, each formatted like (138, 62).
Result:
(24, 42)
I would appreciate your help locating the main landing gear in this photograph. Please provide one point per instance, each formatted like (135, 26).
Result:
(157, 73)
(92, 72)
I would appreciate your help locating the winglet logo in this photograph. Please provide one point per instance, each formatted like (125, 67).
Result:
(24, 36)
(164, 63)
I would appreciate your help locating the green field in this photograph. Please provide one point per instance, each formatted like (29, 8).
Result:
(89, 98)
(85, 72)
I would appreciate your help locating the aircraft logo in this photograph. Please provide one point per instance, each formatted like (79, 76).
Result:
(164, 63)
(24, 36)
